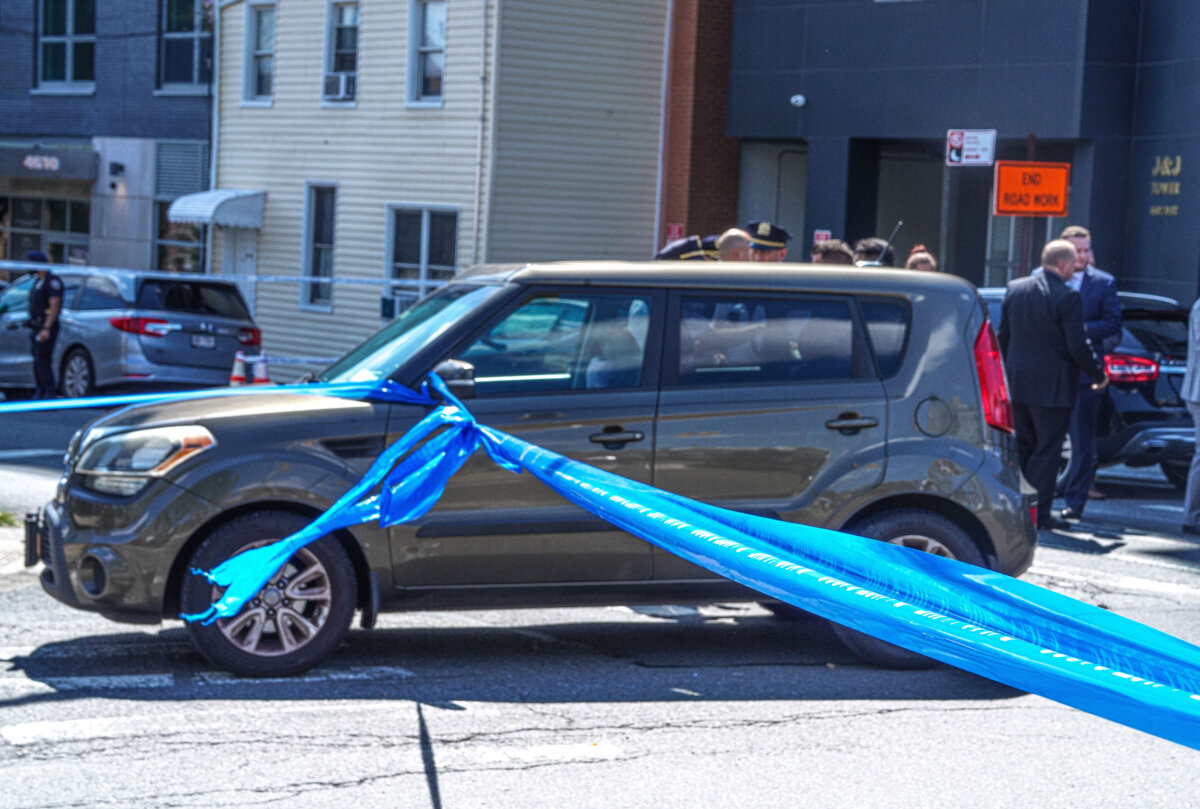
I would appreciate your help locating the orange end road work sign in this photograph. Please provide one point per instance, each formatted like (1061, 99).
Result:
(1031, 189)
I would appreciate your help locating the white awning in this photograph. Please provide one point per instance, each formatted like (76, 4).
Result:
(227, 207)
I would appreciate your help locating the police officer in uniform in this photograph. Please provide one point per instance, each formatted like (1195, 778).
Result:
(45, 304)
(688, 248)
(768, 242)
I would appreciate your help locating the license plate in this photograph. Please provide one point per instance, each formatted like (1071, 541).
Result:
(204, 341)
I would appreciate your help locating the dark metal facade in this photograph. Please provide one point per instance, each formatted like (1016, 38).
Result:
(1110, 86)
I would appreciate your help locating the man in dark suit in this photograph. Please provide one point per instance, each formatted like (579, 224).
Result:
(1102, 324)
(1045, 348)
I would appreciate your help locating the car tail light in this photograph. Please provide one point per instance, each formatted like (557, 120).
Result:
(147, 326)
(997, 410)
(249, 337)
(1033, 514)
(1128, 368)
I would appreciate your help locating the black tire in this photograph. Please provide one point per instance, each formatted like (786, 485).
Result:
(77, 376)
(914, 528)
(1176, 472)
(251, 643)
(1064, 463)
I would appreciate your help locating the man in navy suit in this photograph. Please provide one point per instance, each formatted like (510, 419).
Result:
(1044, 347)
(1102, 322)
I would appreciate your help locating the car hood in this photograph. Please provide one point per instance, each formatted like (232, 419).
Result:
(218, 412)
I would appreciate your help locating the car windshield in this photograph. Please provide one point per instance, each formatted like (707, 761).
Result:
(386, 350)
(15, 298)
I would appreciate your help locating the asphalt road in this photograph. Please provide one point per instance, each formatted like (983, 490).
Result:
(663, 707)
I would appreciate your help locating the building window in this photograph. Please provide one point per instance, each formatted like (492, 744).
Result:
(67, 52)
(185, 50)
(423, 247)
(259, 79)
(178, 247)
(427, 51)
(341, 47)
(318, 258)
(59, 227)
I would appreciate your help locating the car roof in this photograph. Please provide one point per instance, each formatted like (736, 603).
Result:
(725, 275)
(1129, 300)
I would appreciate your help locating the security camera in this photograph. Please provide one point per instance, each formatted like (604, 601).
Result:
(799, 101)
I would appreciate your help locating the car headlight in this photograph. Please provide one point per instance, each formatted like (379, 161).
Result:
(123, 464)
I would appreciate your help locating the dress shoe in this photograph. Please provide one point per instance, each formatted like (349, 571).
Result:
(1096, 494)
(1071, 513)
(1055, 524)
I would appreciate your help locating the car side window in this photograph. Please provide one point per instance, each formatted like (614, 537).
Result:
(887, 325)
(99, 293)
(754, 340)
(563, 342)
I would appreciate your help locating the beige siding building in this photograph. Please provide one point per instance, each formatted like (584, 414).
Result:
(383, 144)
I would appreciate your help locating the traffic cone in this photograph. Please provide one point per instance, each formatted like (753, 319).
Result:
(238, 375)
(261, 375)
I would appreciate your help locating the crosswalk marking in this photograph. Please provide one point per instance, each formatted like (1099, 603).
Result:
(69, 730)
(110, 682)
(14, 683)
(311, 676)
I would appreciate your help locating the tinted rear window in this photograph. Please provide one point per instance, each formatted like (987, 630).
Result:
(754, 340)
(1160, 332)
(192, 297)
(887, 325)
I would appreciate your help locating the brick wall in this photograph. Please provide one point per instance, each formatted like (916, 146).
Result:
(700, 164)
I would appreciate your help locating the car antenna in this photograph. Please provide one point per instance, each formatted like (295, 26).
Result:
(891, 239)
(878, 262)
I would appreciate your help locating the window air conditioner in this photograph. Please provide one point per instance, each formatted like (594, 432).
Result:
(339, 86)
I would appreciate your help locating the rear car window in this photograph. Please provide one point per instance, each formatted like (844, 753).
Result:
(752, 340)
(192, 297)
(1158, 331)
(887, 325)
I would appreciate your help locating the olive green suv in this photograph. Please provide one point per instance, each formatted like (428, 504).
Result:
(868, 401)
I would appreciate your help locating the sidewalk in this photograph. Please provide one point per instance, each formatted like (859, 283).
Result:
(12, 549)
(22, 489)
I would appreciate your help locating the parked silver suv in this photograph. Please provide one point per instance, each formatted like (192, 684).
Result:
(870, 401)
(127, 327)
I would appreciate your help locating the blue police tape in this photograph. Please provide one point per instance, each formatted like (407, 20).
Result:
(985, 622)
(996, 626)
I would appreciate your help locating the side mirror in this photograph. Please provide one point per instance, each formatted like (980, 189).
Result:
(459, 376)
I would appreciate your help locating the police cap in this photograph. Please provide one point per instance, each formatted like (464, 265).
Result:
(766, 236)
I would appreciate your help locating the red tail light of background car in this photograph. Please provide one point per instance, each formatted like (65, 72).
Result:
(153, 327)
(148, 326)
(1126, 368)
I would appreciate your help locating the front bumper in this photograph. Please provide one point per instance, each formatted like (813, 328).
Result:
(121, 572)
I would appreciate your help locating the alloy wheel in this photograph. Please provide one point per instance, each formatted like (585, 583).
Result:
(926, 544)
(77, 375)
(286, 614)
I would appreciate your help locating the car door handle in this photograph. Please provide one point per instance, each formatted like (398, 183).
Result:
(617, 438)
(851, 423)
